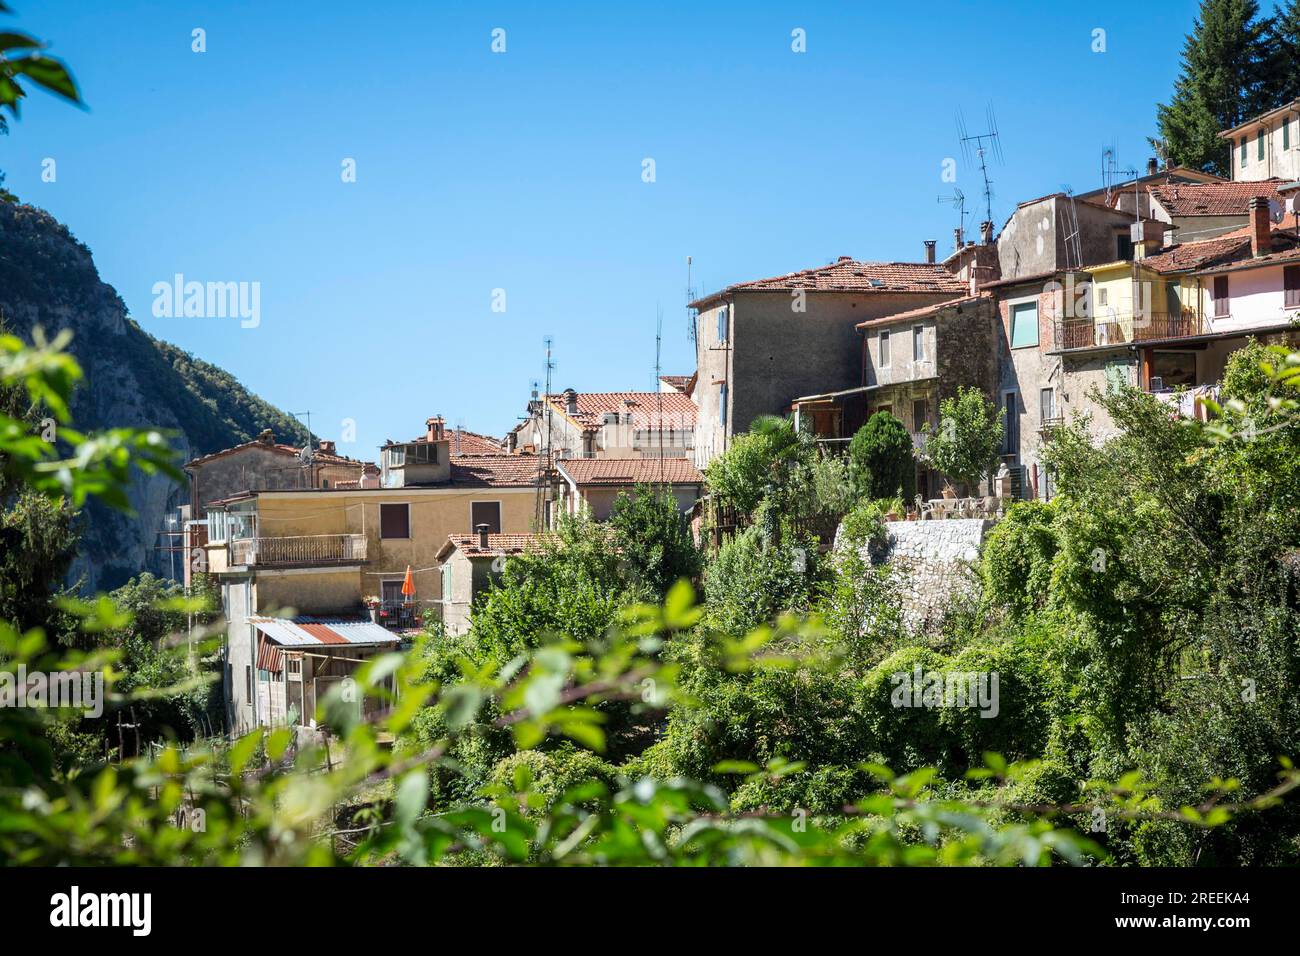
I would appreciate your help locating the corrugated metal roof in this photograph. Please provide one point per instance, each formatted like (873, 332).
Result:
(314, 632)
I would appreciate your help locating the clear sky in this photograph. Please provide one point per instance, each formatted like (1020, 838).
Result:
(522, 170)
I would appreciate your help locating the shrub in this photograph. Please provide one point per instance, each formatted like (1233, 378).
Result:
(881, 458)
(654, 539)
(968, 438)
(1016, 564)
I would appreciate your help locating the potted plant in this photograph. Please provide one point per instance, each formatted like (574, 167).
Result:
(372, 605)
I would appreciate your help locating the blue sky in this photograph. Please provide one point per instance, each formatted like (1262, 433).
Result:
(522, 171)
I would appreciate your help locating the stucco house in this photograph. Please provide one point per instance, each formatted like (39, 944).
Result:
(1266, 146)
(469, 562)
(591, 486)
(575, 424)
(761, 344)
(323, 551)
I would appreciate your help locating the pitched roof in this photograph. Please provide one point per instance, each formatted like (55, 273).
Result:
(470, 443)
(920, 313)
(498, 545)
(1194, 255)
(1211, 199)
(849, 275)
(494, 471)
(679, 382)
(678, 409)
(278, 448)
(1285, 107)
(629, 471)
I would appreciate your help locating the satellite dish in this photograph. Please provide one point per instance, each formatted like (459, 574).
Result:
(1276, 210)
(305, 455)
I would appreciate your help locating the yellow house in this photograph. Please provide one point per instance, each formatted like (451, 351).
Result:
(342, 554)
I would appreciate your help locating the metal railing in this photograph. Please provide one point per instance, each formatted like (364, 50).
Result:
(298, 550)
(1102, 330)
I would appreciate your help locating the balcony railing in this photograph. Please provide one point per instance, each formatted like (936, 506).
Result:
(298, 550)
(1101, 330)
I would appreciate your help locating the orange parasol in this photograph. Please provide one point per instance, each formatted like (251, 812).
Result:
(408, 585)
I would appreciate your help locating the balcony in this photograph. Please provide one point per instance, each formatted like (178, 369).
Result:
(1104, 330)
(299, 551)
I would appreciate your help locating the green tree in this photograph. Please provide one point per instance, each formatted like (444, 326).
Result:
(654, 539)
(968, 438)
(1284, 66)
(881, 458)
(758, 463)
(1224, 81)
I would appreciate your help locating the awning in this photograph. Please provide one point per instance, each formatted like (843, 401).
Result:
(270, 656)
(316, 632)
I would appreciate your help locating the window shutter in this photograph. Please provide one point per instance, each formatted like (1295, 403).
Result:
(485, 512)
(394, 521)
(1286, 133)
(1291, 285)
(1220, 295)
(1243, 151)
(1259, 139)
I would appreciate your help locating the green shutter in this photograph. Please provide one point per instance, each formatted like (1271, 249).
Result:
(1260, 140)
(1286, 133)
(1024, 325)
(1243, 151)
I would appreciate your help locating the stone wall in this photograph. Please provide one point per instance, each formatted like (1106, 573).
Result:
(933, 562)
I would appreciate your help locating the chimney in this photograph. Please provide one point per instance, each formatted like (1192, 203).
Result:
(1147, 237)
(986, 232)
(929, 251)
(957, 237)
(571, 401)
(1261, 229)
(436, 428)
(266, 436)
(326, 447)
(482, 530)
(1153, 166)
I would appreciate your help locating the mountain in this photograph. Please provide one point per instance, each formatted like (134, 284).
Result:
(48, 278)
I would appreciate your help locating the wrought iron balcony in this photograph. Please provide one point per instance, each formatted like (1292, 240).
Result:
(299, 551)
(1128, 328)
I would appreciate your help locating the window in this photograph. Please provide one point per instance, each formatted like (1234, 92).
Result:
(1010, 425)
(1123, 246)
(1242, 150)
(918, 343)
(1260, 140)
(884, 350)
(722, 404)
(722, 324)
(1220, 296)
(919, 414)
(1291, 287)
(1024, 325)
(1047, 404)
(1172, 369)
(1101, 296)
(485, 512)
(887, 409)
(395, 521)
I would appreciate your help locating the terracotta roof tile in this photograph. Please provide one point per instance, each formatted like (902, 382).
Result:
(920, 313)
(678, 409)
(1211, 199)
(630, 471)
(848, 275)
(470, 443)
(494, 471)
(498, 544)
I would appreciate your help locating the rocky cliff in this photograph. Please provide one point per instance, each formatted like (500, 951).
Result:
(48, 278)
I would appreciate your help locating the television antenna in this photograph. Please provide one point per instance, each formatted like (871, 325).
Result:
(544, 464)
(690, 313)
(957, 199)
(982, 147)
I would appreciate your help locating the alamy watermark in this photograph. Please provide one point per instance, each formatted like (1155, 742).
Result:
(74, 690)
(922, 688)
(208, 300)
